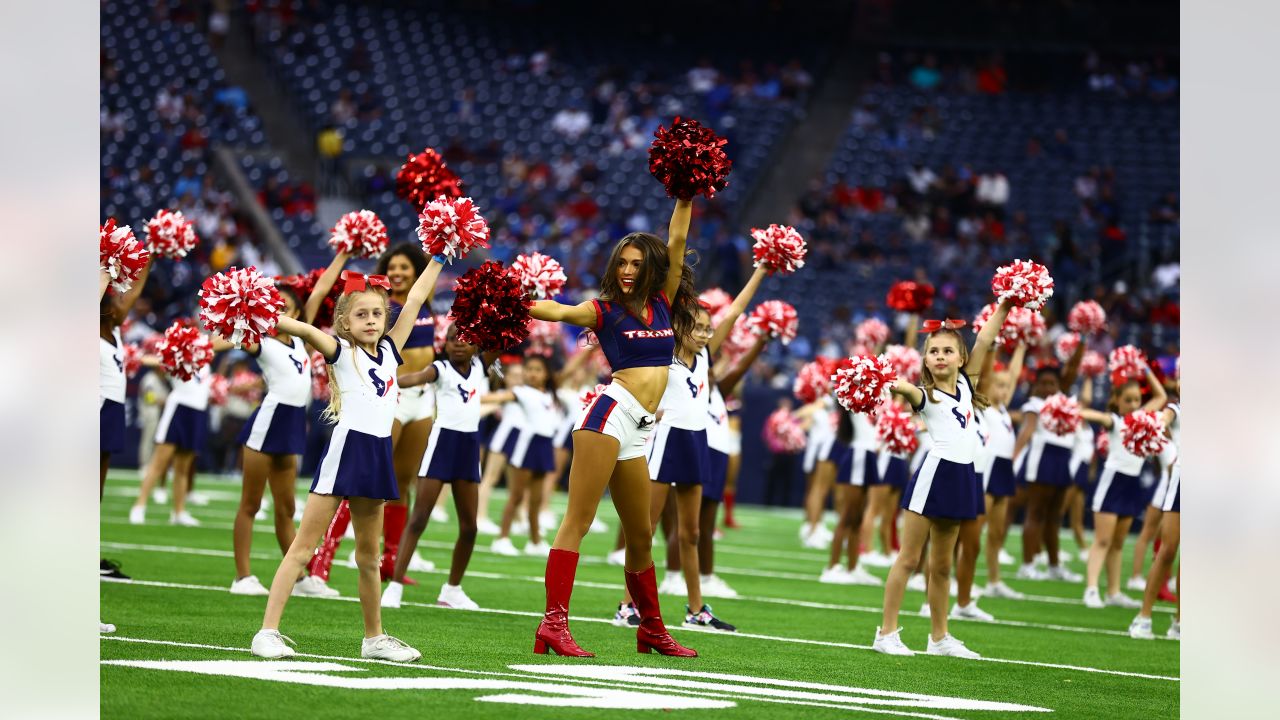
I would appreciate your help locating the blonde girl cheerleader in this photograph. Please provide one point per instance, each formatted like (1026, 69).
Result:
(945, 490)
(357, 463)
(1170, 536)
(1000, 484)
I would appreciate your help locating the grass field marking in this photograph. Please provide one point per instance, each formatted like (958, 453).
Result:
(674, 628)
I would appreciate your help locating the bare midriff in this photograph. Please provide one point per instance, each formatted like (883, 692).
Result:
(646, 384)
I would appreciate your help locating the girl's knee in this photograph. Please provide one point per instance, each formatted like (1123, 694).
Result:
(418, 521)
(285, 510)
(367, 560)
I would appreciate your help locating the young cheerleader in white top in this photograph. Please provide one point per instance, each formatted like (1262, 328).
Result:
(1170, 537)
(532, 454)
(357, 463)
(501, 445)
(1000, 484)
(184, 425)
(1154, 512)
(822, 458)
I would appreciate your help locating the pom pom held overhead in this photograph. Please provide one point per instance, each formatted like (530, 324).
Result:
(424, 177)
(169, 234)
(120, 255)
(360, 234)
(778, 248)
(910, 296)
(1024, 283)
(689, 159)
(452, 228)
(1087, 318)
(541, 275)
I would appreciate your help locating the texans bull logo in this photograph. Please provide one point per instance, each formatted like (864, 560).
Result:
(466, 395)
(962, 419)
(381, 387)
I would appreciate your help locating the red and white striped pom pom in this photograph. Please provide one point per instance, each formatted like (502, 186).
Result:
(219, 389)
(184, 350)
(717, 302)
(1065, 346)
(779, 248)
(864, 383)
(132, 359)
(443, 323)
(319, 377)
(241, 305)
(452, 227)
(120, 255)
(544, 337)
(1021, 325)
(906, 362)
(777, 319)
(169, 234)
(248, 385)
(589, 396)
(813, 380)
(783, 434)
(1093, 364)
(541, 275)
(896, 430)
(1143, 433)
(1060, 414)
(872, 332)
(1027, 284)
(359, 234)
(1102, 442)
(1126, 363)
(1087, 318)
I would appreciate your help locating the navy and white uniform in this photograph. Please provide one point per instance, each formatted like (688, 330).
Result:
(946, 484)
(894, 469)
(453, 450)
(821, 439)
(998, 477)
(419, 402)
(507, 433)
(627, 342)
(1048, 460)
(1172, 500)
(679, 454)
(279, 425)
(982, 458)
(184, 423)
(111, 393)
(861, 466)
(570, 404)
(534, 450)
(357, 459)
(1119, 487)
(719, 445)
(1082, 450)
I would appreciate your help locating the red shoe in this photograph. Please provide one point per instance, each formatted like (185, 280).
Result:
(652, 634)
(1166, 596)
(729, 521)
(553, 632)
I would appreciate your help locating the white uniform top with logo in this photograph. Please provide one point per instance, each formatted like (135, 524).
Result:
(982, 456)
(1082, 446)
(1120, 459)
(865, 437)
(950, 423)
(684, 402)
(458, 396)
(193, 393)
(539, 409)
(1000, 434)
(286, 369)
(1040, 438)
(822, 431)
(718, 437)
(1169, 455)
(111, 379)
(368, 386)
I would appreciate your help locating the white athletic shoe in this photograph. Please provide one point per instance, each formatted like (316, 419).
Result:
(598, 526)
(248, 585)
(1140, 629)
(312, 586)
(1122, 600)
(1029, 571)
(160, 496)
(437, 515)
(955, 587)
(673, 584)
(713, 586)
(183, 519)
(1060, 572)
(1006, 559)
(1084, 555)
(385, 647)
(104, 628)
(1093, 598)
(503, 546)
(805, 531)
(971, 612)
(1175, 631)
(392, 595)
(859, 576)
(1000, 590)
(350, 534)
(890, 644)
(815, 541)
(1041, 558)
(519, 526)
(538, 549)
(451, 596)
(547, 520)
(485, 526)
(875, 558)
(137, 515)
(1136, 583)
(297, 513)
(925, 610)
(916, 582)
(717, 535)
(951, 647)
(835, 575)
(417, 563)
(260, 515)
(198, 498)
(617, 557)
(271, 644)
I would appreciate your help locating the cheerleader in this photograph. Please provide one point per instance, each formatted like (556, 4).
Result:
(822, 455)
(1170, 536)
(1151, 520)
(502, 443)
(357, 463)
(1082, 449)
(647, 299)
(570, 393)
(1118, 497)
(998, 478)
(884, 494)
(969, 539)
(184, 425)
(858, 470)
(945, 490)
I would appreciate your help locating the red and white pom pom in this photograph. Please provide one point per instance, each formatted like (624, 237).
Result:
(443, 323)
(544, 337)
(1065, 346)
(777, 319)
(424, 177)
(1143, 433)
(241, 305)
(120, 255)
(779, 248)
(896, 430)
(864, 383)
(490, 307)
(1021, 325)
(319, 377)
(689, 159)
(1060, 414)
(783, 434)
(452, 227)
(1087, 318)
(219, 389)
(715, 301)
(132, 359)
(1102, 442)
(1025, 283)
(359, 234)
(906, 362)
(1126, 363)
(813, 380)
(910, 296)
(741, 337)
(589, 396)
(184, 350)
(1093, 364)
(169, 234)
(248, 385)
(541, 275)
(872, 332)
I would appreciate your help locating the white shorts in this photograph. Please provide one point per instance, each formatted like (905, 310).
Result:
(735, 442)
(817, 450)
(1171, 500)
(416, 403)
(1162, 488)
(617, 413)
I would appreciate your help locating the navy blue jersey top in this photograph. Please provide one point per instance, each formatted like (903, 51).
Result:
(423, 333)
(629, 343)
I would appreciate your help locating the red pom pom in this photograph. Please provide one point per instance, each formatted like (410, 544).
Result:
(359, 234)
(171, 235)
(896, 430)
(910, 296)
(490, 308)
(1065, 346)
(689, 160)
(1021, 325)
(783, 434)
(184, 350)
(1143, 433)
(424, 177)
(151, 344)
(132, 359)
(906, 362)
(1093, 364)
(872, 332)
(544, 337)
(1060, 414)
(1102, 442)
(1087, 318)
(443, 323)
(249, 384)
(303, 284)
(777, 319)
(589, 396)
(1025, 283)
(319, 377)
(541, 275)
(240, 305)
(814, 379)
(779, 248)
(452, 228)
(1127, 363)
(219, 389)
(120, 255)
(864, 384)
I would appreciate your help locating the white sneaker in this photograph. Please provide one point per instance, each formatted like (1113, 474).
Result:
(815, 541)
(1137, 583)
(1000, 590)
(538, 549)
(260, 515)
(351, 561)
(955, 587)
(198, 498)
(1122, 600)
(1084, 555)
(451, 596)
(971, 612)
(1029, 571)
(875, 558)
(1041, 558)
(485, 526)
(673, 584)
(859, 576)
(1093, 598)
(271, 644)
(183, 519)
(392, 594)
(890, 644)
(1173, 584)
(437, 515)
(312, 586)
(598, 526)
(503, 546)
(137, 515)
(617, 557)
(104, 628)
(835, 575)
(1059, 572)
(417, 563)
(547, 520)
(951, 647)
(519, 526)
(925, 610)
(248, 585)
(350, 534)
(805, 531)
(1175, 631)
(159, 496)
(713, 586)
(916, 582)
(717, 535)
(385, 647)
(297, 513)
(1005, 558)
(1140, 629)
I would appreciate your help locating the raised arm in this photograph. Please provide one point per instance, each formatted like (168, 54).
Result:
(122, 304)
(735, 374)
(311, 335)
(425, 376)
(736, 309)
(1015, 370)
(913, 395)
(677, 235)
(1030, 421)
(583, 314)
(1072, 370)
(1096, 416)
(984, 380)
(423, 288)
(1086, 392)
(323, 285)
(913, 330)
(1158, 396)
(986, 338)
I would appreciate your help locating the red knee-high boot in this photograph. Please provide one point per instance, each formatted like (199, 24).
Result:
(729, 521)
(322, 560)
(652, 634)
(393, 520)
(553, 631)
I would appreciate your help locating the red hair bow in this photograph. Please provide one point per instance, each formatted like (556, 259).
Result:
(931, 326)
(359, 282)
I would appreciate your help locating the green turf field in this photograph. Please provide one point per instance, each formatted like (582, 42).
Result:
(181, 647)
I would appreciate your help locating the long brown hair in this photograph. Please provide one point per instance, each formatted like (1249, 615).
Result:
(649, 281)
(342, 329)
(980, 401)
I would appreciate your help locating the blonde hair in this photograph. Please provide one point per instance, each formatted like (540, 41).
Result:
(980, 401)
(342, 330)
